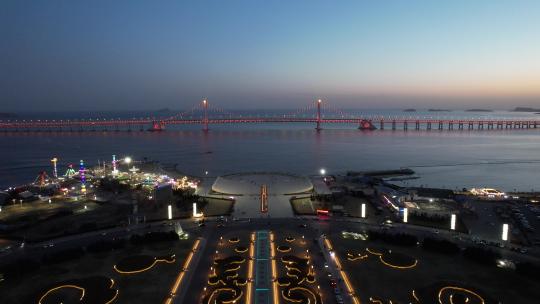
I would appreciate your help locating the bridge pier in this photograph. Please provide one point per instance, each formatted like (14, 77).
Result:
(440, 125)
(381, 123)
(429, 125)
(460, 125)
(490, 125)
(480, 126)
(393, 125)
(450, 125)
(405, 125)
(417, 125)
(366, 125)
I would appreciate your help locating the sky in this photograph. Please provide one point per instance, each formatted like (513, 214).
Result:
(137, 55)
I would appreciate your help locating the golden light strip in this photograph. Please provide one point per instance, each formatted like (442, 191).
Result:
(414, 296)
(250, 268)
(274, 269)
(181, 275)
(114, 298)
(144, 269)
(60, 287)
(397, 267)
(461, 290)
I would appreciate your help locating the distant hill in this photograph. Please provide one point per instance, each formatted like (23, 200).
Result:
(7, 115)
(409, 110)
(164, 110)
(439, 110)
(525, 109)
(479, 110)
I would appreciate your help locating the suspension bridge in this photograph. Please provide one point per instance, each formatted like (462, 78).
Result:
(316, 113)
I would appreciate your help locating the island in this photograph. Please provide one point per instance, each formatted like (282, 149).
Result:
(525, 109)
(479, 110)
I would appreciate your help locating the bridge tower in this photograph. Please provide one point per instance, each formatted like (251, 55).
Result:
(205, 118)
(318, 128)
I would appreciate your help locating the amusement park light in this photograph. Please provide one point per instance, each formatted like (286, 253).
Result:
(127, 160)
(323, 171)
(505, 232)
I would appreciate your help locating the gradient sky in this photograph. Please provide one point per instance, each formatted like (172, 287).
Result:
(109, 55)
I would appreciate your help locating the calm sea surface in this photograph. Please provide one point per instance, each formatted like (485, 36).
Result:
(508, 159)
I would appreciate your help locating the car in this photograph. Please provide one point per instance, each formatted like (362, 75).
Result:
(302, 225)
(333, 283)
(220, 225)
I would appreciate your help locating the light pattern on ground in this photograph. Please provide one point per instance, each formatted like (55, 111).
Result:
(96, 289)
(293, 287)
(141, 263)
(388, 258)
(226, 281)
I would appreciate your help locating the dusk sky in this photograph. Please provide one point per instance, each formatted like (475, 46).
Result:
(110, 55)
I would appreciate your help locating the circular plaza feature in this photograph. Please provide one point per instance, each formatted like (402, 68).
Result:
(251, 183)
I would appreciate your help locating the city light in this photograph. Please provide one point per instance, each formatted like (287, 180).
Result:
(505, 232)
(453, 222)
(169, 211)
(323, 171)
(127, 160)
(363, 210)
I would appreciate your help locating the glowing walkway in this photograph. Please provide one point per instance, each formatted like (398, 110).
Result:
(263, 280)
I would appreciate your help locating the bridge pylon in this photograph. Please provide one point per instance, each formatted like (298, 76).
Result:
(319, 120)
(205, 118)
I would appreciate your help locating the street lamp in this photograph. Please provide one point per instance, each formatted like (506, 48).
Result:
(169, 212)
(323, 171)
(127, 160)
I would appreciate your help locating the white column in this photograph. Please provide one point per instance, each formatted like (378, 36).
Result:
(504, 235)
(405, 214)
